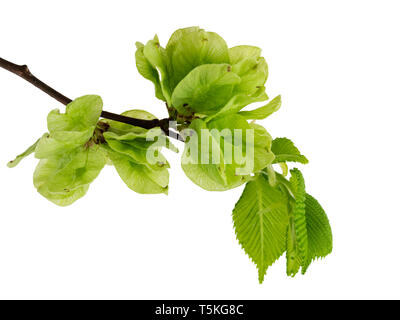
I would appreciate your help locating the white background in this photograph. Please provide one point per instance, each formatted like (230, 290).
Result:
(336, 65)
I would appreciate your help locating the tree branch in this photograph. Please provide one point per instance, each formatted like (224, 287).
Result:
(24, 72)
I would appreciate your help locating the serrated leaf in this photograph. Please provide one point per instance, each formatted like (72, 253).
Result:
(263, 112)
(146, 69)
(205, 90)
(261, 219)
(297, 247)
(284, 168)
(318, 230)
(286, 151)
(27, 152)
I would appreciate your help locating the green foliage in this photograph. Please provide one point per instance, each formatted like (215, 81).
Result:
(285, 151)
(297, 232)
(271, 218)
(318, 230)
(206, 85)
(260, 219)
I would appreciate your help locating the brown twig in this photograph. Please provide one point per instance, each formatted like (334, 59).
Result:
(24, 72)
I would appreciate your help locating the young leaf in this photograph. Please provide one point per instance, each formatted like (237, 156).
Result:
(146, 69)
(297, 241)
(263, 112)
(285, 151)
(205, 90)
(23, 155)
(318, 230)
(261, 219)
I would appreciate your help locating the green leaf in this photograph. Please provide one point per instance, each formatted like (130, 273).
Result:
(80, 115)
(191, 47)
(297, 244)
(157, 57)
(284, 168)
(23, 155)
(261, 219)
(146, 69)
(263, 112)
(66, 178)
(318, 230)
(205, 90)
(285, 151)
